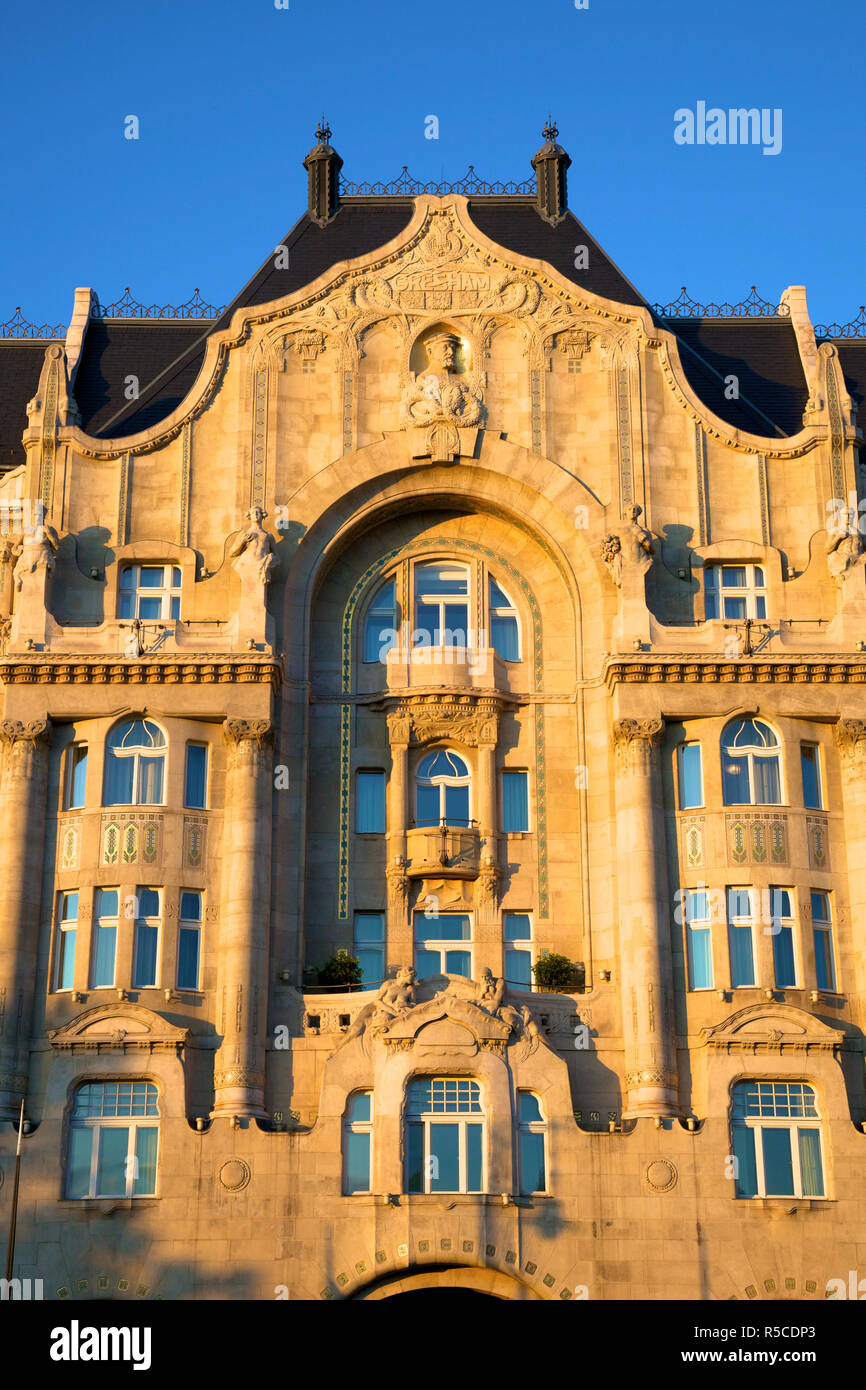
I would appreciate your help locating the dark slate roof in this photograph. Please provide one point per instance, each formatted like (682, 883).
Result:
(762, 354)
(852, 356)
(515, 224)
(20, 365)
(115, 349)
(357, 229)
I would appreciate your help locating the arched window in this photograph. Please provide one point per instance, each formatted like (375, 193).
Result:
(380, 625)
(113, 1140)
(442, 790)
(444, 1135)
(504, 626)
(750, 764)
(532, 1143)
(776, 1134)
(358, 1142)
(134, 764)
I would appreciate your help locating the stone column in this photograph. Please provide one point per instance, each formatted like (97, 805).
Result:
(488, 931)
(398, 934)
(644, 921)
(851, 741)
(242, 998)
(22, 841)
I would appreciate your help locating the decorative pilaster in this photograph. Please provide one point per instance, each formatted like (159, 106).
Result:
(850, 737)
(399, 930)
(644, 915)
(239, 1070)
(22, 839)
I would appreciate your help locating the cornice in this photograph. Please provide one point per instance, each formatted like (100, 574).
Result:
(194, 668)
(696, 668)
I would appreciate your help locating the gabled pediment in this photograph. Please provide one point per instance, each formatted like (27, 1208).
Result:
(117, 1028)
(772, 1028)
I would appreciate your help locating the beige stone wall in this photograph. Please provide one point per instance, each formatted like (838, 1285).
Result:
(304, 408)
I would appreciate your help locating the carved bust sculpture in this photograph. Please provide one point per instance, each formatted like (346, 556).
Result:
(254, 551)
(438, 395)
(843, 552)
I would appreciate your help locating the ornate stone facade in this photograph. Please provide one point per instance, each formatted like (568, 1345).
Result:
(427, 652)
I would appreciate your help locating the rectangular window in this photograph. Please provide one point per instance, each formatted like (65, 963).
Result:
(515, 802)
(691, 776)
(107, 1157)
(146, 953)
(195, 790)
(741, 937)
(822, 935)
(67, 928)
(105, 938)
(443, 944)
(517, 933)
(782, 928)
(776, 1155)
(811, 767)
(370, 802)
(76, 776)
(189, 941)
(735, 592)
(370, 946)
(699, 939)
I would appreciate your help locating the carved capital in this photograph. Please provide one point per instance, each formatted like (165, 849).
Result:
(850, 735)
(635, 739)
(399, 727)
(247, 741)
(13, 732)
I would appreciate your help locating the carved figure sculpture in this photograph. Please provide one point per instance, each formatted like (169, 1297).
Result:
(254, 551)
(394, 998)
(843, 552)
(438, 395)
(36, 551)
(630, 548)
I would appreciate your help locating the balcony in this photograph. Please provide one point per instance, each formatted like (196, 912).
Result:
(450, 851)
(459, 667)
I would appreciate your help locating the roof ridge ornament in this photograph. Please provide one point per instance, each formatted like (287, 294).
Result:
(323, 166)
(550, 165)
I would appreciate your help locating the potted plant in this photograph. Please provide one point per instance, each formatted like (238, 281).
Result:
(554, 973)
(341, 970)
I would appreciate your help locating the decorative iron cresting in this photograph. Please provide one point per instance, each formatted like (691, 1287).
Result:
(408, 186)
(753, 307)
(18, 327)
(128, 308)
(855, 329)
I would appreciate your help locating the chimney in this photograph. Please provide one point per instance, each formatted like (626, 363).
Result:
(550, 165)
(323, 166)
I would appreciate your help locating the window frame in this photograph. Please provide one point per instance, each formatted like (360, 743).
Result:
(169, 594)
(819, 775)
(382, 798)
(136, 754)
(372, 609)
(681, 781)
(443, 781)
(363, 1128)
(190, 924)
(789, 924)
(522, 945)
(107, 922)
(70, 768)
(362, 943)
(96, 1125)
(148, 922)
(526, 1127)
(826, 926)
(498, 611)
(749, 756)
(792, 1124)
(741, 922)
(461, 1120)
(704, 926)
(444, 945)
(515, 772)
(63, 928)
(753, 593)
(205, 747)
(441, 602)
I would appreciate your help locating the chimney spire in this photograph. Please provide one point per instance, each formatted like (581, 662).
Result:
(550, 165)
(323, 166)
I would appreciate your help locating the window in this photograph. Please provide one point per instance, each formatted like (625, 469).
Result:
(531, 1144)
(517, 930)
(370, 802)
(782, 917)
(370, 946)
(444, 1135)
(189, 941)
(735, 591)
(741, 937)
(145, 961)
(76, 776)
(195, 778)
(822, 935)
(515, 802)
(67, 928)
(358, 1142)
(699, 938)
(442, 790)
(777, 1156)
(134, 764)
(436, 948)
(380, 627)
(811, 769)
(441, 605)
(504, 628)
(104, 939)
(149, 592)
(113, 1140)
(750, 764)
(691, 777)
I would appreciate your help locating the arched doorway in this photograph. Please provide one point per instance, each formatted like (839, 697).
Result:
(452, 1283)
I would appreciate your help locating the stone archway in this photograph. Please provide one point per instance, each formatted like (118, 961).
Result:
(455, 1280)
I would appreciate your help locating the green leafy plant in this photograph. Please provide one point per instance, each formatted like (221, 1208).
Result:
(554, 973)
(341, 969)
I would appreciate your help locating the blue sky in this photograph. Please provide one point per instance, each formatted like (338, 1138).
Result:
(228, 93)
